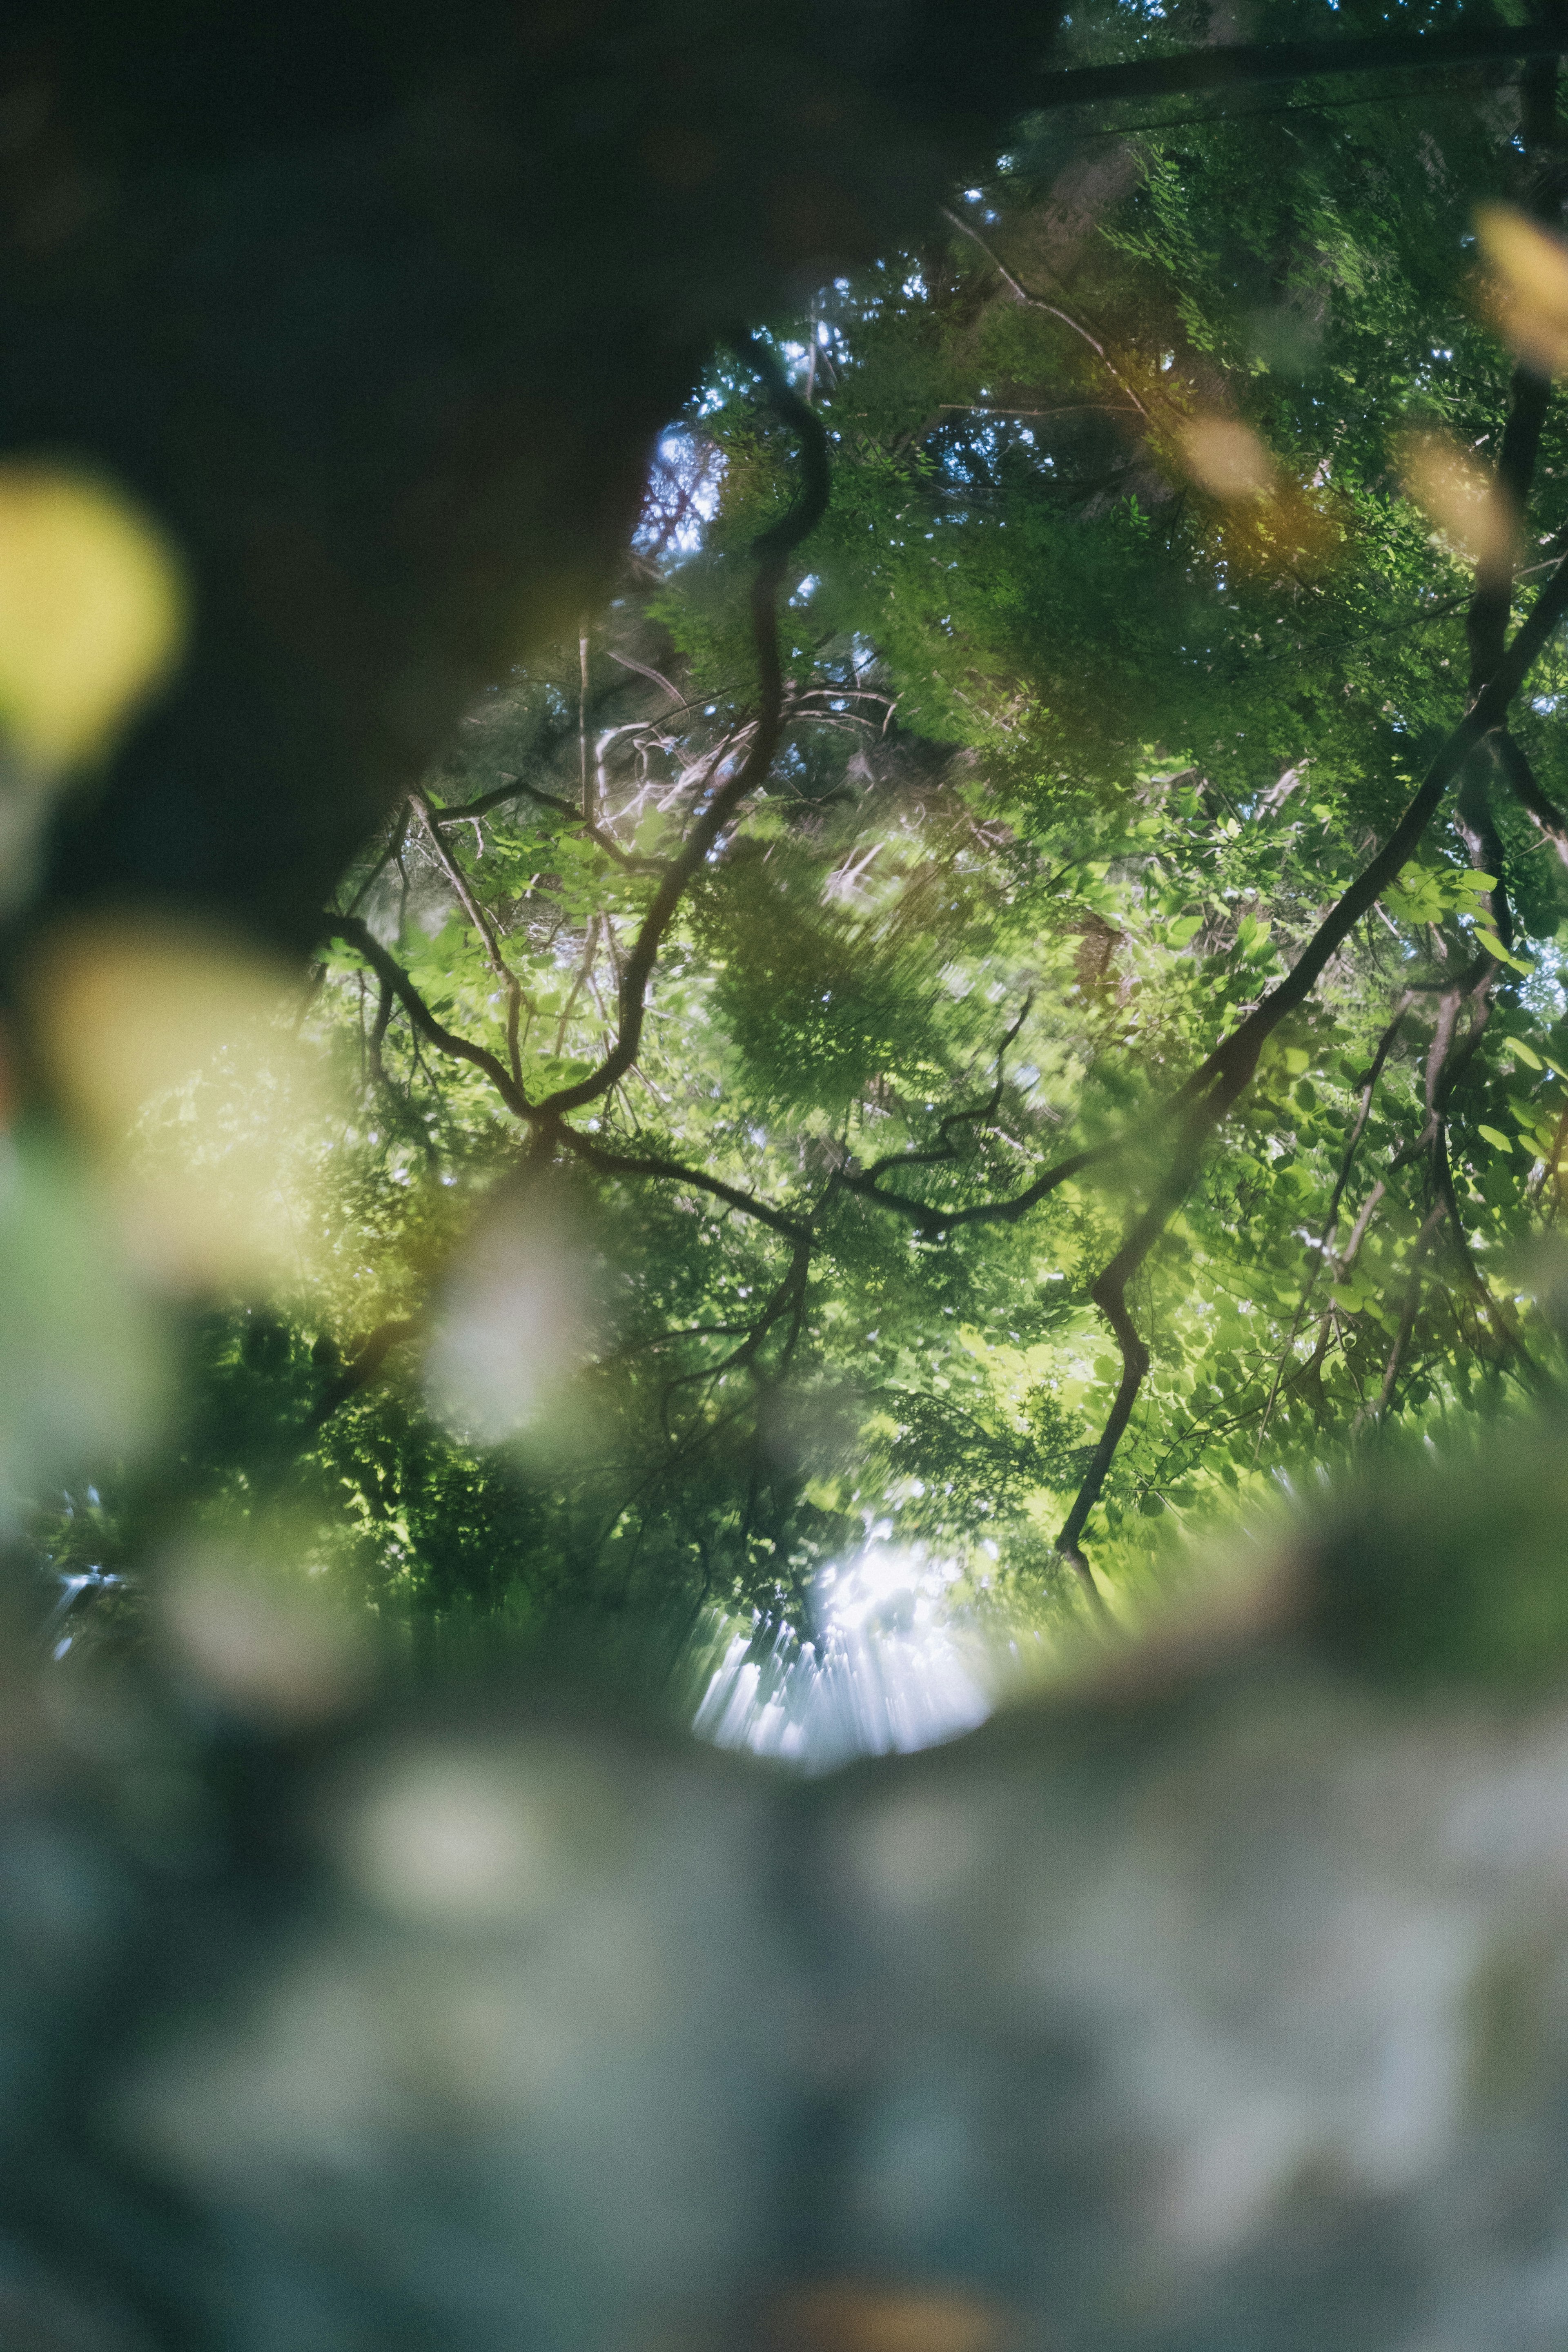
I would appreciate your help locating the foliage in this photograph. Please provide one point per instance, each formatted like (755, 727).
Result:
(1138, 613)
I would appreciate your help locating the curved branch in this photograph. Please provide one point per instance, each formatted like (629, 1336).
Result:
(1229, 1068)
(358, 935)
(937, 1221)
(1215, 1087)
(1037, 302)
(552, 1129)
(1225, 1073)
(1542, 812)
(482, 924)
(634, 1163)
(943, 1150)
(1109, 1295)
(772, 552)
(515, 789)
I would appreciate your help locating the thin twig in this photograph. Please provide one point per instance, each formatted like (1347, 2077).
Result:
(771, 550)
(483, 925)
(1054, 310)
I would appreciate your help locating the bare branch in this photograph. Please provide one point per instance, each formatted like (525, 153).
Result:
(482, 924)
(611, 1162)
(1213, 1090)
(773, 551)
(1037, 302)
(356, 934)
(517, 789)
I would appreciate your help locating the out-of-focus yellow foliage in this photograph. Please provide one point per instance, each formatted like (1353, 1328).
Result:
(177, 1052)
(1267, 521)
(1457, 493)
(1526, 296)
(1226, 458)
(92, 612)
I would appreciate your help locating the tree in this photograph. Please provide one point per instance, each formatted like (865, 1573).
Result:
(1027, 1063)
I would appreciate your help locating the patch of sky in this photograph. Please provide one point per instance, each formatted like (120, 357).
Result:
(888, 1668)
(692, 471)
(1544, 990)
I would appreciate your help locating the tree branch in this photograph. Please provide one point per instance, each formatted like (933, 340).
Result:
(938, 1220)
(357, 934)
(517, 789)
(1331, 1216)
(772, 552)
(943, 1151)
(482, 924)
(625, 1163)
(1229, 1068)
(1213, 1087)
(1037, 302)
(1237, 64)
(1543, 813)
(1507, 501)
(1435, 1216)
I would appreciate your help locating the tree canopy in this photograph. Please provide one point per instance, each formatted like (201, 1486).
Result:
(1005, 989)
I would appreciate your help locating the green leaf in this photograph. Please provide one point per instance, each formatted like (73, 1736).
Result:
(1495, 948)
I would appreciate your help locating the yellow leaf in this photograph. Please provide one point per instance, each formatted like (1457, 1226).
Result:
(1528, 295)
(1454, 491)
(1226, 458)
(176, 1053)
(92, 612)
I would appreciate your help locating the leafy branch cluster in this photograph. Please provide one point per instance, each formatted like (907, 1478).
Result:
(1030, 974)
